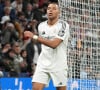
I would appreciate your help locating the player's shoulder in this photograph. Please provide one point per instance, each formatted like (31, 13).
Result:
(43, 23)
(63, 22)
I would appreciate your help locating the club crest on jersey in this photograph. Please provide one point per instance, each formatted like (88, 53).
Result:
(43, 32)
(61, 33)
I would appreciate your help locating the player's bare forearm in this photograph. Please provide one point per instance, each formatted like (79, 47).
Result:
(51, 43)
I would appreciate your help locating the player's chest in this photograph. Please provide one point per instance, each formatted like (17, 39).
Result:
(49, 32)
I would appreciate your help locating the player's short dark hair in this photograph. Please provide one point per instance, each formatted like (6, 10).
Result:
(53, 3)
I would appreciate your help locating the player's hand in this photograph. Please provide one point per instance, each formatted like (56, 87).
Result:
(28, 34)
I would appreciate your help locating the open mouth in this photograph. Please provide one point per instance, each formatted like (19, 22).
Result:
(50, 14)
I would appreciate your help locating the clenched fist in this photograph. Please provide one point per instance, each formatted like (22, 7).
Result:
(28, 34)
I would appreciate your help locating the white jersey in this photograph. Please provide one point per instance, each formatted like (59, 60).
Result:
(53, 59)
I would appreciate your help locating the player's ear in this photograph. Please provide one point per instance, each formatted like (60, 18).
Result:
(58, 9)
(59, 12)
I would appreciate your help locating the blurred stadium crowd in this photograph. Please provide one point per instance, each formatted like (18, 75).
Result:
(18, 55)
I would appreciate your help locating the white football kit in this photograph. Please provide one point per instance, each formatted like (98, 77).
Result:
(52, 62)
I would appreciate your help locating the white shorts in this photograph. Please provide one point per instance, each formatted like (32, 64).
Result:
(59, 78)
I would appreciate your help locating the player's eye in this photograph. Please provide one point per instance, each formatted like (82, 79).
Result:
(53, 8)
(48, 8)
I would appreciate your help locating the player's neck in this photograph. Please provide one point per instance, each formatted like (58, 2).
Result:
(52, 21)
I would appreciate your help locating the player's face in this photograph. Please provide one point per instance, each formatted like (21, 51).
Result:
(52, 11)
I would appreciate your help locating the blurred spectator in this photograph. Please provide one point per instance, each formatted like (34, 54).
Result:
(7, 60)
(24, 63)
(21, 19)
(9, 34)
(87, 73)
(31, 26)
(73, 40)
(97, 75)
(1, 74)
(6, 9)
(4, 19)
(41, 2)
(18, 59)
(29, 13)
(30, 55)
(40, 13)
(35, 3)
(6, 47)
(20, 16)
(19, 5)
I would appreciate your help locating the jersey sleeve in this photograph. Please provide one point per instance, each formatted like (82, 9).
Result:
(63, 30)
(39, 29)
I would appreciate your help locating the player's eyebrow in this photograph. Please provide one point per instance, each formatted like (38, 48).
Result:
(56, 8)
